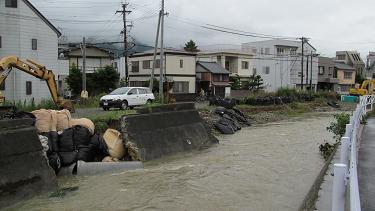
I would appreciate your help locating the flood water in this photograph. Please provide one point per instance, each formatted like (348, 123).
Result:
(259, 168)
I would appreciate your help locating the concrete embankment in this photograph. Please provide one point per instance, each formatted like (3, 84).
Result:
(24, 170)
(165, 130)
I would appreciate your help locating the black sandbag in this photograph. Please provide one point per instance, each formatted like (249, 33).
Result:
(220, 111)
(85, 154)
(55, 162)
(224, 128)
(98, 148)
(81, 136)
(236, 126)
(68, 158)
(66, 141)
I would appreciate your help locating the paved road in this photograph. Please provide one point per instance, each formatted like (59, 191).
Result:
(366, 166)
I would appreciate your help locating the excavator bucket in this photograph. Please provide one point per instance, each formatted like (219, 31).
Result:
(67, 104)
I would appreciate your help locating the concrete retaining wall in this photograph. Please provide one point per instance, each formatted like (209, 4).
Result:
(24, 171)
(166, 130)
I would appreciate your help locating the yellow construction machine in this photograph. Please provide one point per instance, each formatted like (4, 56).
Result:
(367, 88)
(37, 70)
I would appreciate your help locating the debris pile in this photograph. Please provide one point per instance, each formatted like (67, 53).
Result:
(231, 120)
(66, 141)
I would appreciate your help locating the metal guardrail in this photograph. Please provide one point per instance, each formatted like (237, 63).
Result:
(345, 172)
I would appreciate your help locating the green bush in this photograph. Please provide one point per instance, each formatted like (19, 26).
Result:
(339, 126)
(286, 92)
(31, 105)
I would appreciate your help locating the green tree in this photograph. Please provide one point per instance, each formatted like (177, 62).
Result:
(254, 83)
(105, 79)
(191, 46)
(74, 80)
(235, 82)
(155, 85)
(359, 78)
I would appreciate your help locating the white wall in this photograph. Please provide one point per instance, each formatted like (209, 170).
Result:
(172, 67)
(285, 69)
(16, 36)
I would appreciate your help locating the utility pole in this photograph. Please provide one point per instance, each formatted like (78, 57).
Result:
(83, 65)
(307, 70)
(311, 66)
(161, 90)
(155, 53)
(303, 42)
(125, 30)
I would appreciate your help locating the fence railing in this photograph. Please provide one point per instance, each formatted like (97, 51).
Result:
(345, 172)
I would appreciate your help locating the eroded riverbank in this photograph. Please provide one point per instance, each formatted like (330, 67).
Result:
(259, 168)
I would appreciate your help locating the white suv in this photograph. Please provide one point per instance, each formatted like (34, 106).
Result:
(125, 97)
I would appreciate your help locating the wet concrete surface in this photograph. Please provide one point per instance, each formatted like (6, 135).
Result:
(366, 164)
(259, 168)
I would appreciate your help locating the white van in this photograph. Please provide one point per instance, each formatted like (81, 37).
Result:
(125, 97)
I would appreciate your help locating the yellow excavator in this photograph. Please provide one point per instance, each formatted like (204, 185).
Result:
(367, 88)
(37, 70)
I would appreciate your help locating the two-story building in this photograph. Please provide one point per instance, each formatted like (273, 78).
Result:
(346, 75)
(237, 62)
(213, 79)
(370, 65)
(26, 33)
(278, 62)
(96, 58)
(327, 79)
(353, 59)
(179, 67)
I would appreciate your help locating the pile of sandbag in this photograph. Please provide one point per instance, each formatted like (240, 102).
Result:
(52, 120)
(71, 140)
(231, 120)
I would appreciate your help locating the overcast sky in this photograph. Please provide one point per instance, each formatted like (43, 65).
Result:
(331, 24)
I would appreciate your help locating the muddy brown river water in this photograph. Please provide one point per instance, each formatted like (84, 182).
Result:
(259, 168)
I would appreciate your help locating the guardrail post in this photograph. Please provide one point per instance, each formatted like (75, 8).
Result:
(338, 194)
(344, 151)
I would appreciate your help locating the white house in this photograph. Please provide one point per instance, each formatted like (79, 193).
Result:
(179, 68)
(26, 33)
(279, 63)
(237, 62)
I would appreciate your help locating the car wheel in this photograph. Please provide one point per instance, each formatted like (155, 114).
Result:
(124, 105)
(105, 108)
(149, 101)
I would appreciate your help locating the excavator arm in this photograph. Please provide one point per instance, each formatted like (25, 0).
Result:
(36, 70)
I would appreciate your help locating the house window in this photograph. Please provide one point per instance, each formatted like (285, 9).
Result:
(181, 87)
(330, 71)
(29, 88)
(293, 51)
(181, 63)
(225, 78)
(216, 77)
(280, 51)
(267, 51)
(266, 70)
(261, 51)
(348, 75)
(157, 65)
(245, 65)
(135, 66)
(11, 3)
(341, 57)
(34, 44)
(254, 71)
(114, 65)
(146, 64)
(321, 70)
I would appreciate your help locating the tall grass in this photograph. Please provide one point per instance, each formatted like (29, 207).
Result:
(30, 105)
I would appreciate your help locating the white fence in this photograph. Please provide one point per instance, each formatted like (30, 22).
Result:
(345, 172)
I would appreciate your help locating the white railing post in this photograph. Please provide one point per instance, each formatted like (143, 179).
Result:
(338, 194)
(344, 151)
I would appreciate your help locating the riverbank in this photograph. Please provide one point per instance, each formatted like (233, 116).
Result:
(259, 168)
